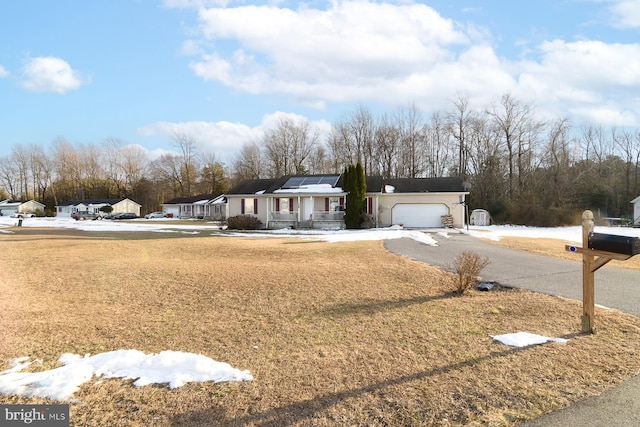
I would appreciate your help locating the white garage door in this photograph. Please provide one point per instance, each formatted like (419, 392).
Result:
(419, 215)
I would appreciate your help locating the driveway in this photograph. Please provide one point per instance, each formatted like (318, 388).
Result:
(614, 287)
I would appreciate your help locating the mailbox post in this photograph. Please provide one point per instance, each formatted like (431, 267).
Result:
(597, 250)
(588, 276)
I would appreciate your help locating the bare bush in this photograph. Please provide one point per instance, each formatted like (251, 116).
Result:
(466, 268)
(244, 222)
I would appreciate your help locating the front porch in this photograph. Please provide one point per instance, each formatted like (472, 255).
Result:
(317, 220)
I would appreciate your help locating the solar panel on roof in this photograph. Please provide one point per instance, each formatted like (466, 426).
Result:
(311, 180)
(299, 181)
(331, 180)
(293, 182)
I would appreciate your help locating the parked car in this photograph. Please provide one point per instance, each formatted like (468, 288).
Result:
(125, 215)
(23, 215)
(155, 215)
(81, 216)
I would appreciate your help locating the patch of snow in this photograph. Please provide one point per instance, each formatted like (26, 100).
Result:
(523, 339)
(174, 368)
(389, 188)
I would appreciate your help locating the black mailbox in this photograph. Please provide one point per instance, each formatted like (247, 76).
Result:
(612, 243)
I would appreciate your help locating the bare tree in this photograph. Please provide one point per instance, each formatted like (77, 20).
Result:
(9, 177)
(167, 170)
(387, 137)
(214, 177)
(188, 147)
(413, 138)
(519, 131)
(288, 147)
(438, 148)
(248, 164)
(67, 170)
(459, 120)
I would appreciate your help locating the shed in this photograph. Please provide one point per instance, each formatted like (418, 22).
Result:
(480, 217)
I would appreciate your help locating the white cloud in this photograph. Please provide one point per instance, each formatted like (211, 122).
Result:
(625, 13)
(590, 79)
(400, 53)
(3, 72)
(50, 74)
(337, 54)
(223, 138)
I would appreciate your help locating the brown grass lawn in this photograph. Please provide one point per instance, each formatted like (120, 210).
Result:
(333, 333)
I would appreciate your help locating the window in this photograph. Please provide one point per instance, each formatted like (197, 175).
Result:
(334, 204)
(249, 206)
(284, 205)
(368, 205)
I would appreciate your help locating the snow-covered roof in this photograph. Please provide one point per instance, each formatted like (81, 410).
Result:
(313, 188)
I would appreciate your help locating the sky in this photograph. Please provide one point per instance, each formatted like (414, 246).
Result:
(176, 368)
(224, 71)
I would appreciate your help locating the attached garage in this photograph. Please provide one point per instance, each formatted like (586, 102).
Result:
(419, 215)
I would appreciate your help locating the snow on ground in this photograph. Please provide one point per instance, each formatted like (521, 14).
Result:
(172, 367)
(176, 368)
(523, 339)
(429, 237)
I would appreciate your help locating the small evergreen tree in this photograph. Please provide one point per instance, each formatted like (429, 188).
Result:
(354, 184)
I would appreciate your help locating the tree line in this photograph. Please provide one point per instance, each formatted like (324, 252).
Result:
(521, 168)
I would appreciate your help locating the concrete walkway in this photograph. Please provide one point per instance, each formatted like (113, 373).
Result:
(615, 288)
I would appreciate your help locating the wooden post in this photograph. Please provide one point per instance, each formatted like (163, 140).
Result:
(592, 260)
(588, 299)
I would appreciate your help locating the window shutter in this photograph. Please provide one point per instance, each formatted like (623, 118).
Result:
(277, 205)
(255, 206)
(242, 206)
(342, 202)
(326, 204)
(291, 204)
(369, 205)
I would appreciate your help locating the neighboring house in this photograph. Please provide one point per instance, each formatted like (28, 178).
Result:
(93, 207)
(318, 201)
(212, 206)
(636, 212)
(11, 207)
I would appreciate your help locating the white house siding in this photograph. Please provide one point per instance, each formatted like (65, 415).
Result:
(636, 211)
(235, 206)
(127, 205)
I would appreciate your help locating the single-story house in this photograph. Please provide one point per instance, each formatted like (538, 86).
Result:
(318, 201)
(93, 207)
(11, 207)
(212, 206)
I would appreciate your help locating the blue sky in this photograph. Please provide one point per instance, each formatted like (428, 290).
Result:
(224, 71)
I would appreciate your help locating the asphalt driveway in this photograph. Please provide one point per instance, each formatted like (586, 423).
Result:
(614, 287)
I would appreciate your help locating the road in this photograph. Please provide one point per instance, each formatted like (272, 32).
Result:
(614, 288)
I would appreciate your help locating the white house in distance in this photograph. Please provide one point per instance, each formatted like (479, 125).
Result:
(210, 206)
(636, 212)
(318, 201)
(11, 207)
(93, 206)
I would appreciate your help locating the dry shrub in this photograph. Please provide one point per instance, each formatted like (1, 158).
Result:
(244, 222)
(467, 267)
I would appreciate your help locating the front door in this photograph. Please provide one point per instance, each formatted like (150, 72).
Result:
(307, 208)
